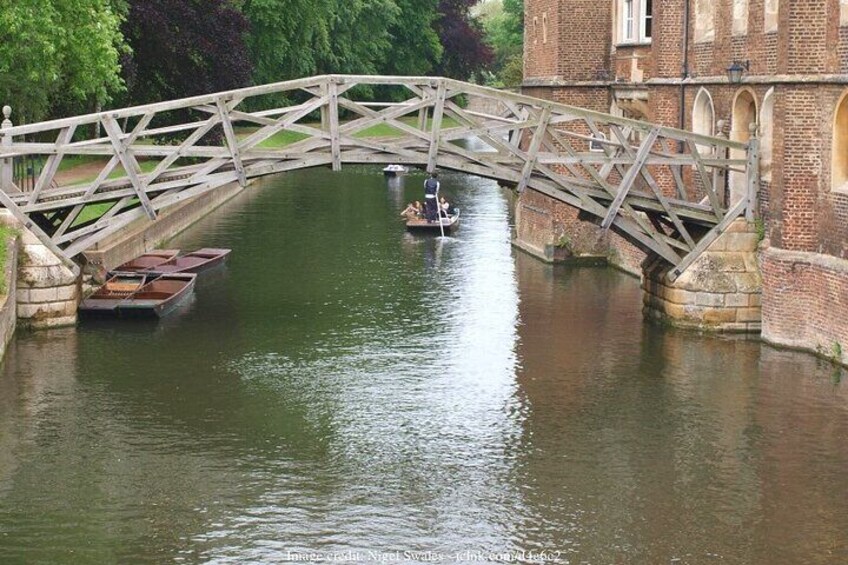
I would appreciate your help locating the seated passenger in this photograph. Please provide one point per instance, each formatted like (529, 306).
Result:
(412, 211)
(444, 207)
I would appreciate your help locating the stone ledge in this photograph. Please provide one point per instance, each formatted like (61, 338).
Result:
(45, 277)
(835, 264)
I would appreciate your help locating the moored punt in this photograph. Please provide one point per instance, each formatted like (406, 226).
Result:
(159, 297)
(105, 300)
(193, 262)
(423, 225)
(394, 170)
(147, 261)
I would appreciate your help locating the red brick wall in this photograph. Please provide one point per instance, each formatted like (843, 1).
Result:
(805, 301)
(801, 211)
(585, 34)
(541, 58)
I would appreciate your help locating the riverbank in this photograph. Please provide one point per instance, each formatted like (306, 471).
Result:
(8, 302)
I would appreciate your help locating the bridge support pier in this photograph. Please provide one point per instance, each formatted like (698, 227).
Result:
(48, 292)
(721, 291)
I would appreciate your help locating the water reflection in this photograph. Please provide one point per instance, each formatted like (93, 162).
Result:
(343, 385)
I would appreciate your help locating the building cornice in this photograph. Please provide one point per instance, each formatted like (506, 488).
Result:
(715, 80)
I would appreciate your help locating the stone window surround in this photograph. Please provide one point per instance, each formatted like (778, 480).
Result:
(839, 149)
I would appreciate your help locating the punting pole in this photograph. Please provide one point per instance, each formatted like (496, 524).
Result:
(439, 211)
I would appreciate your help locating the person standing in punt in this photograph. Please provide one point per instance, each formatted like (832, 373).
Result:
(431, 194)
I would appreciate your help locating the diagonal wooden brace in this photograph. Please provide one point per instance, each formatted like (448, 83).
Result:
(630, 177)
(436, 126)
(128, 161)
(533, 150)
(232, 141)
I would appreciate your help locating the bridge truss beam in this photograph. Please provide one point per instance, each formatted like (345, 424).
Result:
(663, 189)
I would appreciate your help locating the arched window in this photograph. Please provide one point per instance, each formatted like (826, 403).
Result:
(744, 114)
(535, 30)
(703, 114)
(545, 27)
(703, 117)
(767, 135)
(839, 167)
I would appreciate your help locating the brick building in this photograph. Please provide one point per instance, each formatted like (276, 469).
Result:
(667, 61)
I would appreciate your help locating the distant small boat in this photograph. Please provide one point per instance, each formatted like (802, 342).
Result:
(147, 261)
(394, 170)
(105, 299)
(193, 262)
(159, 297)
(449, 223)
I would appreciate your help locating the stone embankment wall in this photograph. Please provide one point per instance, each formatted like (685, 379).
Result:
(554, 231)
(142, 235)
(8, 306)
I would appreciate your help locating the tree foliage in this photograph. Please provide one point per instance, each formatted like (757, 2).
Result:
(184, 47)
(462, 37)
(296, 38)
(504, 25)
(61, 53)
(287, 38)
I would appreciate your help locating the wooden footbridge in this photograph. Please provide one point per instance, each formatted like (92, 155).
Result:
(664, 189)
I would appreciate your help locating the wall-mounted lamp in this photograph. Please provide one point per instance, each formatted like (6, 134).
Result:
(734, 71)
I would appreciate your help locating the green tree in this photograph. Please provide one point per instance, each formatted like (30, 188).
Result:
(415, 45)
(58, 54)
(287, 38)
(503, 22)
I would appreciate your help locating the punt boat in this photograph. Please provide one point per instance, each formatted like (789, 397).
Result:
(149, 260)
(394, 170)
(105, 300)
(193, 262)
(159, 297)
(423, 225)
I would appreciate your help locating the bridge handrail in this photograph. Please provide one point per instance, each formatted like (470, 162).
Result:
(297, 84)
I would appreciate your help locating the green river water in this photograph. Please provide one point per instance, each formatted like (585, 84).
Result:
(342, 390)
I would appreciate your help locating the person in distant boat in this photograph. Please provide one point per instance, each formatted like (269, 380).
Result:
(444, 207)
(431, 194)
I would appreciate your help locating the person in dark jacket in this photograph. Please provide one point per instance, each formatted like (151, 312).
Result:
(431, 197)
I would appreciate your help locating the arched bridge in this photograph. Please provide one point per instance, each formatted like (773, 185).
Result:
(666, 190)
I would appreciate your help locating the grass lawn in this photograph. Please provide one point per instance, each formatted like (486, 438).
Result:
(5, 233)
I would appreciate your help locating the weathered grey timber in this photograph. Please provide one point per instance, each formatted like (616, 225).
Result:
(622, 172)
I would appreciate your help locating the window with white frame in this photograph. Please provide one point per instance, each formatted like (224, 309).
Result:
(635, 21)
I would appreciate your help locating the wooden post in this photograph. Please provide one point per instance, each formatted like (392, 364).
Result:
(335, 142)
(719, 174)
(753, 173)
(533, 151)
(436, 124)
(6, 172)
